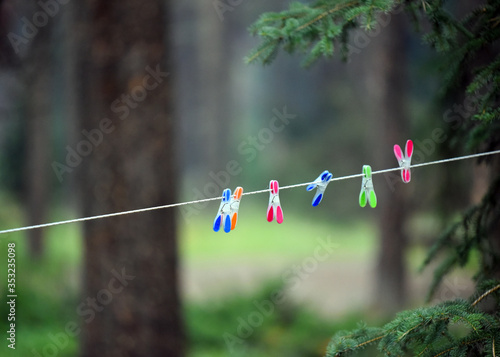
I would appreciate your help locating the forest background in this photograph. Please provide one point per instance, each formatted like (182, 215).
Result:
(173, 113)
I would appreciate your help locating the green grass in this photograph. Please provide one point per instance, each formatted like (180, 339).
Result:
(236, 327)
(47, 290)
(291, 330)
(255, 238)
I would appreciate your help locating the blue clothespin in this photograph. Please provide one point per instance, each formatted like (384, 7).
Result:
(223, 215)
(320, 183)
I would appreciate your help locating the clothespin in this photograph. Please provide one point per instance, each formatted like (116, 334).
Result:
(404, 161)
(320, 183)
(235, 206)
(223, 215)
(274, 208)
(367, 193)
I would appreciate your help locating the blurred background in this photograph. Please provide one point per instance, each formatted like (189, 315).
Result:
(117, 105)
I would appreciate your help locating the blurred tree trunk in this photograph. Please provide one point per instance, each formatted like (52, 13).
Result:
(389, 90)
(495, 229)
(213, 70)
(71, 94)
(38, 93)
(8, 58)
(9, 63)
(131, 261)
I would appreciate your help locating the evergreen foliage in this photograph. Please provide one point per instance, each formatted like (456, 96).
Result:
(452, 328)
(470, 233)
(470, 57)
(314, 28)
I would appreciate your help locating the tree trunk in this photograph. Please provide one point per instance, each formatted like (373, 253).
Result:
(388, 83)
(133, 306)
(37, 161)
(213, 69)
(38, 89)
(495, 224)
(8, 58)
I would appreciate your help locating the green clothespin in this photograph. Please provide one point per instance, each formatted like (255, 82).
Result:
(367, 193)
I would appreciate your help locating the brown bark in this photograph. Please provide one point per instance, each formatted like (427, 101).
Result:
(38, 84)
(7, 56)
(495, 229)
(132, 167)
(37, 163)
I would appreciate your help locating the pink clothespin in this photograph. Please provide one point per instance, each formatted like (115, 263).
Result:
(274, 209)
(404, 161)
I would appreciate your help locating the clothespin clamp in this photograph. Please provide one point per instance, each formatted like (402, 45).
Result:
(404, 161)
(320, 183)
(274, 208)
(223, 215)
(367, 193)
(235, 205)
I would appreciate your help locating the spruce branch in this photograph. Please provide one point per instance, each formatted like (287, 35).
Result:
(369, 341)
(314, 28)
(326, 13)
(425, 331)
(463, 343)
(468, 234)
(492, 290)
(259, 52)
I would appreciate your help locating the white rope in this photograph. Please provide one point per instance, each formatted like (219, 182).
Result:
(83, 219)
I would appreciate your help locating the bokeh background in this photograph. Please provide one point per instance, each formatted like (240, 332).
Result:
(264, 289)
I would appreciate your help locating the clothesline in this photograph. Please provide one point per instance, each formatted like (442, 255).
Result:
(172, 205)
